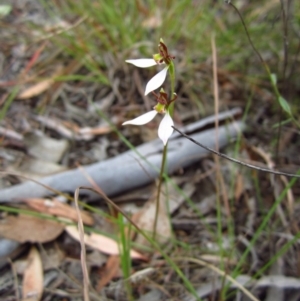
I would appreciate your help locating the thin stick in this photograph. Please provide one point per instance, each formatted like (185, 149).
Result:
(86, 280)
(235, 160)
(249, 38)
(220, 180)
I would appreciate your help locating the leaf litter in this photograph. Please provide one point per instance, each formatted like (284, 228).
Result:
(47, 107)
(33, 277)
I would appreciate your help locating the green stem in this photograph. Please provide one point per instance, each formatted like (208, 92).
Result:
(161, 177)
(172, 81)
(164, 155)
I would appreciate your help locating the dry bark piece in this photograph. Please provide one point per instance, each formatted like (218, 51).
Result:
(33, 277)
(26, 228)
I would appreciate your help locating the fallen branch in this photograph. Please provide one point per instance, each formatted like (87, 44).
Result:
(133, 169)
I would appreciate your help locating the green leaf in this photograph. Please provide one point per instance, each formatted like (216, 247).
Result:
(274, 78)
(285, 106)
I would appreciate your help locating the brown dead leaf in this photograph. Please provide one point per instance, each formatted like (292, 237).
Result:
(101, 243)
(71, 130)
(239, 186)
(145, 221)
(33, 277)
(95, 131)
(36, 89)
(110, 271)
(146, 216)
(26, 228)
(57, 208)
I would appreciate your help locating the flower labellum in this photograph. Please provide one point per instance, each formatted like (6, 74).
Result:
(165, 129)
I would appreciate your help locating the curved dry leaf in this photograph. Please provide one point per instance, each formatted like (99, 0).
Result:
(101, 243)
(109, 272)
(26, 228)
(36, 89)
(33, 277)
(145, 218)
(100, 130)
(59, 209)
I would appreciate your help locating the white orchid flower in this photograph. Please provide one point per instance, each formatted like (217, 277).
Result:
(157, 80)
(165, 129)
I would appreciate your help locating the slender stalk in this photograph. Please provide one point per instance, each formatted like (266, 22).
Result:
(172, 81)
(283, 104)
(161, 177)
(164, 155)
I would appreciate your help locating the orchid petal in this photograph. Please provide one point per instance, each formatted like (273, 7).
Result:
(143, 119)
(165, 129)
(142, 63)
(156, 81)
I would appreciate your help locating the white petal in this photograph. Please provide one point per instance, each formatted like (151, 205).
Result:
(142, 63)
(165, 129)
(156, 81)
(143, 119)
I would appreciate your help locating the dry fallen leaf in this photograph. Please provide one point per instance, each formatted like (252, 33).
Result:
(72, 131)
(57, 208)
(101, 130)
(145, 221)
(110, 271)
(26, 228)
(36, 89)
(146, 216)
(33, 277)
(101, 243)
